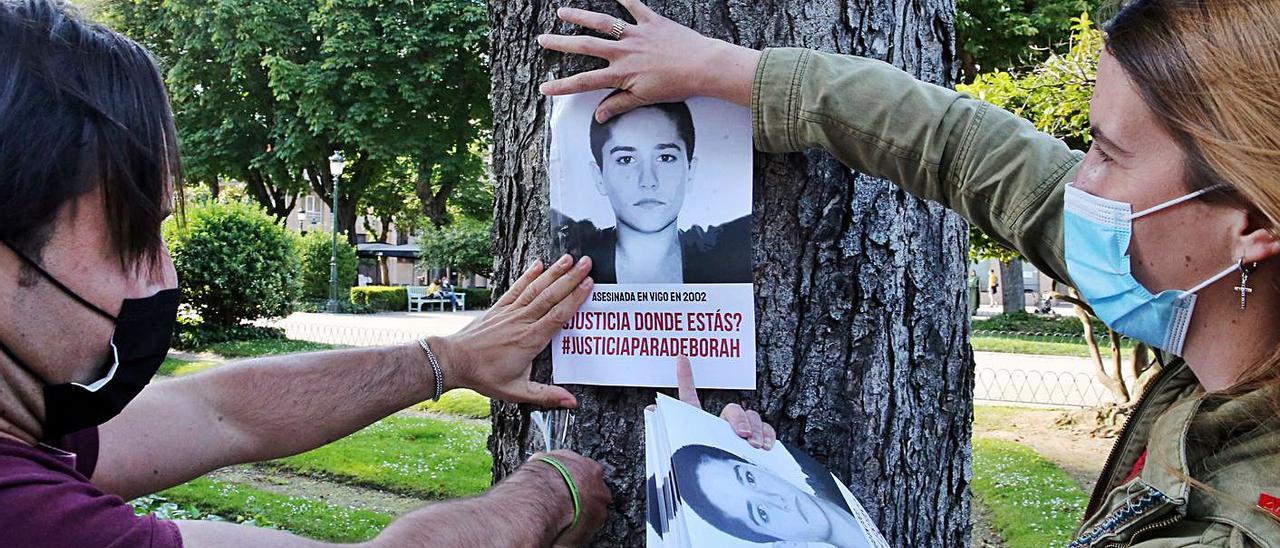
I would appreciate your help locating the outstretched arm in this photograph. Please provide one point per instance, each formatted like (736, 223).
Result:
(273, 407)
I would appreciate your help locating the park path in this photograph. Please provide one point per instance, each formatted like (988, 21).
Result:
(1062, 381)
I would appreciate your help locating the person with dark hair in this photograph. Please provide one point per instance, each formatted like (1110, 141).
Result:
(1168, 226)
(643, 162)
(752, 503)
(88, 303)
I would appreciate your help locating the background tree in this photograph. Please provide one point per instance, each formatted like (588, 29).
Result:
(464, 247)
(1009, 34)
(864, 358)
(264, 92)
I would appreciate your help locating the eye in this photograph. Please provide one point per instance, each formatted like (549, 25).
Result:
(762, 514)
(625, 160)
(1102, 154)
(666, 158)
(751, 478)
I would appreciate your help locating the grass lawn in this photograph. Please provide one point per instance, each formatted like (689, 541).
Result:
(427, 458)
(461, 402)
(1042, 346)
(203, 498)
(263, 347)
(1033, 503)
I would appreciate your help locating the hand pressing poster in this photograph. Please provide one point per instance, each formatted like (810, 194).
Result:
(660, 199)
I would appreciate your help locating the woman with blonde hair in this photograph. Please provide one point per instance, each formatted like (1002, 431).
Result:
(1169, 225)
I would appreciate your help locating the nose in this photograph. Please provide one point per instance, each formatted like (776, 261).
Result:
(648, 177)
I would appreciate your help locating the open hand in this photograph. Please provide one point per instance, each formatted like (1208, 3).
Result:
(493, 355)
(747, 423)
(655, 61)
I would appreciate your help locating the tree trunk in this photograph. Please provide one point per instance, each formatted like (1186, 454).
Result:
(864, 359)
(1012, 290)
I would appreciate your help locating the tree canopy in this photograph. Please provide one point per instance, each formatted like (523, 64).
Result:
(264, 92)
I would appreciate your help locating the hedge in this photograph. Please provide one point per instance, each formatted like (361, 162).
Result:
(478, 298)
(381, 297)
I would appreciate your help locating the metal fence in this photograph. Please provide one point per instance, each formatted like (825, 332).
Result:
(995, 384)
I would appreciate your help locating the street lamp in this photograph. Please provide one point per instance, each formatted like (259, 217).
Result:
(336, 164)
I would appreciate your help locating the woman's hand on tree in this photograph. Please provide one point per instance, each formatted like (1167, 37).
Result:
(655, 61)
(493, 355)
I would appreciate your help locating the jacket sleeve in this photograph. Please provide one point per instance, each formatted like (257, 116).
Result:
(989, 165)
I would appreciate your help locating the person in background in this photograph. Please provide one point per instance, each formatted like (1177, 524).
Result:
(993, 285)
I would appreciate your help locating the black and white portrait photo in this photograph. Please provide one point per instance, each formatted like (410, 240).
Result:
(658, 195)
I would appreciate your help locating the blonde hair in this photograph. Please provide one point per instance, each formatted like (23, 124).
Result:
(1210, 70)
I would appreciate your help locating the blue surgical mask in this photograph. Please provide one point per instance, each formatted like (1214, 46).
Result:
(1096, 234)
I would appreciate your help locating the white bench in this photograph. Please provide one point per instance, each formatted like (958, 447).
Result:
(418, 297)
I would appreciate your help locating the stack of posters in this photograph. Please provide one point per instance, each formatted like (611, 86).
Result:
(708, 487)
(660, 199)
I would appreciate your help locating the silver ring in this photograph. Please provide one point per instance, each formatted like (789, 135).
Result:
(617, 28)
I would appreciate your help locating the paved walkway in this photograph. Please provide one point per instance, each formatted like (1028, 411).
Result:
(1000, 377)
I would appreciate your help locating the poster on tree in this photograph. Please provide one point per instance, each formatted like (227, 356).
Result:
(660, 199)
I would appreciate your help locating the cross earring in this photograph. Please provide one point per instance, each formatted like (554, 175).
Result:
(1244, 288)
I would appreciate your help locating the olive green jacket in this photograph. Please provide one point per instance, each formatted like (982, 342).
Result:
(1007, 179)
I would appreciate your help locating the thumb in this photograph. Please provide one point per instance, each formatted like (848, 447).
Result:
(617, 105)
(546, 395)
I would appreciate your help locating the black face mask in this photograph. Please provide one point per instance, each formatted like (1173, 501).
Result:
(139, 344)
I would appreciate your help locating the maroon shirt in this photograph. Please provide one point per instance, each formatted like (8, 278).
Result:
(46, 499)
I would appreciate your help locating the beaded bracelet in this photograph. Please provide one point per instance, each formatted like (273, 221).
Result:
(573, 490)
(435, 368)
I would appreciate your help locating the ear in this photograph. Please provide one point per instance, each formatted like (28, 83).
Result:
(597, 174)
(1258, 240)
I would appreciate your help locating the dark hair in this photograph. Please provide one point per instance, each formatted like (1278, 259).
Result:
(684, 464)
(81, 108)
(678, 113)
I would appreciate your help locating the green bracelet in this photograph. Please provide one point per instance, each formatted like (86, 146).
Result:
(573, 490)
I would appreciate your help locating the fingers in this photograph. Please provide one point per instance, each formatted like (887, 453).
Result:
(736, 416)
(554, 320)
(757, 429)
(559, 289)
(581, 82)
(546, 395)
(598, 22)
(684, 382)
(770, 436)
(618, 104)
(638, 10)
(583, 45)
(540, 283)
(517, 288)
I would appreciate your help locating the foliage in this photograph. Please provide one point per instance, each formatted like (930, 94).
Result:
(1033, 503)
(235, 264)
(264, 92)
(1053, 95)
(420, 457)
(1007, 34)
(317, 253)
(191, 334)
(317, 306)
(460, 402)
(208, 499)
(466, 246)
(1024, 322)
(478, 298)
(265, 347)
(380, 297)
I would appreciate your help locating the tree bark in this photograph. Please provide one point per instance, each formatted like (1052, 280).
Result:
(1012, 290)
(864, 357)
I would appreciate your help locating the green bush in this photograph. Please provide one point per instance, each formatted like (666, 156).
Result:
(322, 305)
(478, 298)
(317, 251)
(191, 336)
(381, 297)
(236, 264)
(1023, 322)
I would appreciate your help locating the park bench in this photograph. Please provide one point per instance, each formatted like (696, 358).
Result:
(418, 297)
